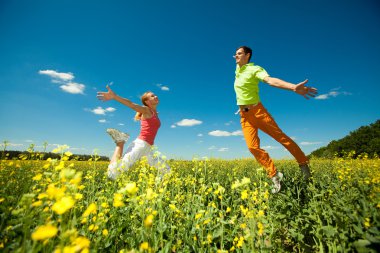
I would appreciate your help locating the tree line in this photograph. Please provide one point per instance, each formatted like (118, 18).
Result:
(363, 141)
(27, 155)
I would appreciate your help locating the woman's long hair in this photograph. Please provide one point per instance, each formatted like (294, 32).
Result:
(144, 98)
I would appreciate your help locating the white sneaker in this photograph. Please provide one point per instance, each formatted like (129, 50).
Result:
(277, 182)
(117, 136)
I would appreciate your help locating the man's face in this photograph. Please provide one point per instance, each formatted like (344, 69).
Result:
(241, 57)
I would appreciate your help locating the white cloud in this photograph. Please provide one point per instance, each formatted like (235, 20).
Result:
(218, 149)
(100, 111)
(220, 133)
(333, 93)
(269, 147)
(57, 75)
(173, 126)
(200, 135)
(73, 88)
(11, 144)
(162, 87)
(188, 122)
(65, 79)
(102, 121)
(307, 143)
(229, 123)
(322, 97)
(110, 109)
(120, 124)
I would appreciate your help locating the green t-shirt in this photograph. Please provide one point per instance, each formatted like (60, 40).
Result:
(246, 84)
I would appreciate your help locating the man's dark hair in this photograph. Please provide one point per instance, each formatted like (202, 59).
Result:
(247, 50)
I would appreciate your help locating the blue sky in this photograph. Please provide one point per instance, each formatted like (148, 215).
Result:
(56, 55)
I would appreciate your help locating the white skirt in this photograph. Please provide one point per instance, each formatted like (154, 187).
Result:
(136, 150)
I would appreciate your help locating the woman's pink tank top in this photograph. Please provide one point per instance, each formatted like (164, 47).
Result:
(149, 128)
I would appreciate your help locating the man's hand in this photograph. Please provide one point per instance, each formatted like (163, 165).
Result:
(105, 96)
(305, 91)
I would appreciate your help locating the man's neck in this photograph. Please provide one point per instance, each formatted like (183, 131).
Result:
(241, 65)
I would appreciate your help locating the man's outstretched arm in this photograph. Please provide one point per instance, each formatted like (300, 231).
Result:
(299, 88)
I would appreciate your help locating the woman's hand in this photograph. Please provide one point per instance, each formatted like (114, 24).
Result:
(105, 96)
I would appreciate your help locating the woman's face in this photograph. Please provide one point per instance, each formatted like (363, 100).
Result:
(152, 99)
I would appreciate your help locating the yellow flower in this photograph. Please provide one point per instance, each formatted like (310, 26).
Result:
(266, 194)
(81, 243)
(245, 181)
(244, 210)
(144, 246)
(240, 242)
(150, 194)
(37, 203)
(93, 227)
(44, 232)
(77, 179)
(148, 222)
(228, 210)
(2, 200)
(105, 232)
(78, 196)
(260, 213)
(209, 238)
(243, 225)
(66, 249)
(54, 192)
(37, 177)
(367, 223)
(42, 196)
(131, 188)
(244, 194)
(60, 166)
(67, 174)
(63, 205)
(118, 200)
(68, 153)
(260, 227)
(206, 221)
(91, 209)
(198, 215)
(237, 183)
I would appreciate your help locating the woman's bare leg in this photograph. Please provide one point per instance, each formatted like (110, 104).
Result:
(118, 152)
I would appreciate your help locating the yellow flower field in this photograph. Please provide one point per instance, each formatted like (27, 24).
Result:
(201, 206)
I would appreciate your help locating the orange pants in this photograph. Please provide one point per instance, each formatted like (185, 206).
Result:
(258, 118)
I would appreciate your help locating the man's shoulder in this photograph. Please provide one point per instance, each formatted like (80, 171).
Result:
(253, 68)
